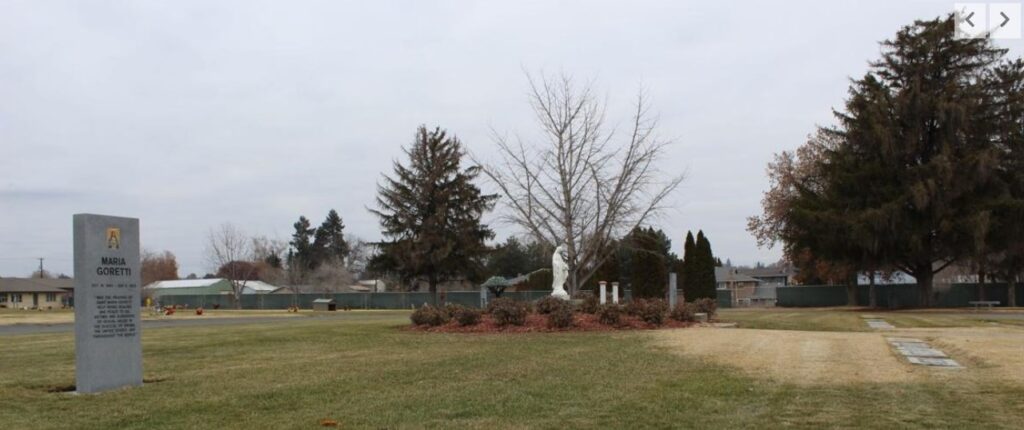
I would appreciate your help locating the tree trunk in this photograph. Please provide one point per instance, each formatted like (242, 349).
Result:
(872, 292)
(432, 280)
(1011, 293)
(851, 294)
(981, 285)
(925, 276)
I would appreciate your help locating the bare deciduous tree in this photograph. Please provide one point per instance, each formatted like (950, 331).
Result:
(581, 183)
(331, 276)
(226, 246)
(358, 256)
(158, 266)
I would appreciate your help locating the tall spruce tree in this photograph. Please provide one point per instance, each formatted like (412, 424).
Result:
(329, 240)
(912, 178)
(301, 255)
(431, 210)
(1006, 237)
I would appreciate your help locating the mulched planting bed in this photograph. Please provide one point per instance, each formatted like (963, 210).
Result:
(539, 323)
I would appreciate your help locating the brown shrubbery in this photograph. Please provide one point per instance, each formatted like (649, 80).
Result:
(708, 306)
(590, 304)
(549, 304)
(551, 314)
(561, 317)
(506, 311)
(464, 316)
(684, 312)
(429, 315)
(610, 314)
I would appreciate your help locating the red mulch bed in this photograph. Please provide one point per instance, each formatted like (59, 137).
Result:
(539, 323)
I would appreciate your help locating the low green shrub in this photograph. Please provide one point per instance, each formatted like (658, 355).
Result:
(429, 315)
(549, 304)
(610, 314)
(506, 311)
(708, 306)
(560, 317)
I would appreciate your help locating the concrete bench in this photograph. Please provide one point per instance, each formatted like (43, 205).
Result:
(979, 303)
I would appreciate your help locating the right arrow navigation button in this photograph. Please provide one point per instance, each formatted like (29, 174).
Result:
(1004, 20)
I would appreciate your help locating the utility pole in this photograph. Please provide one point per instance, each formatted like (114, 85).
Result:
(40, 267)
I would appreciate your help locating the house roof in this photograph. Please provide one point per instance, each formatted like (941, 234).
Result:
(768, 272)
(35, 285)
(731, 274)
(185, 283)
(258, 287)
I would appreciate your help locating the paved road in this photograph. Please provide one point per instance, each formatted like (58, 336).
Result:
(148, 324)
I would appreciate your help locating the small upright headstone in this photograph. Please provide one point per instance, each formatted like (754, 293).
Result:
(672, 290)
(603, 298)
(108, 346)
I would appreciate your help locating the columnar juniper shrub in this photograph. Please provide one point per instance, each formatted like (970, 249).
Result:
(708, 306)
(429, 315)
(506, 311)
(549, 304)
(609, 314)
(684, 312)
(467, 316)
(560, 317)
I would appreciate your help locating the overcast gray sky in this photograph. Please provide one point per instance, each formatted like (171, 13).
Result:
(188, 114)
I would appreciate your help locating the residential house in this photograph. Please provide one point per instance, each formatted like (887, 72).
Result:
(741, 286)
(35, 293)
(778, 276)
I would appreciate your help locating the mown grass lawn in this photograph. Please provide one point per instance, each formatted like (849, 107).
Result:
(363, 371)
(852, 319)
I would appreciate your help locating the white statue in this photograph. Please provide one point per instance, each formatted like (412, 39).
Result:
(560, 272)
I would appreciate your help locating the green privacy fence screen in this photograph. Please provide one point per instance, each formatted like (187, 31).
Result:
(895, 295)
(392, 300)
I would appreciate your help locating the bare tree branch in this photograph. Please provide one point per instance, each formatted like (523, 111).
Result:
(577, 184)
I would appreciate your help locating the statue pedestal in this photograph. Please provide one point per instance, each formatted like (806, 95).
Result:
(560, 294)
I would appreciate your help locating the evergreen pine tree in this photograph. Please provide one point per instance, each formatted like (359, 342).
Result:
(300, 256)
(649, 268)
(329, 240)
(430, 212)
(705, 272)
(896, 188)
